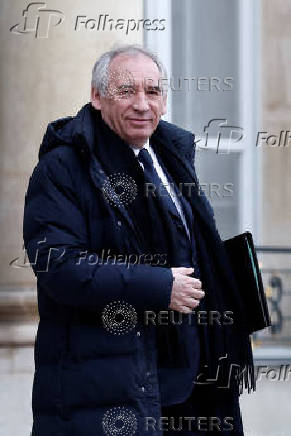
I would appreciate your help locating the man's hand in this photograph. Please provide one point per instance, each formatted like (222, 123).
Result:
(186, 291)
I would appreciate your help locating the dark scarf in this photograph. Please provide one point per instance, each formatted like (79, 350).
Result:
(224, 347)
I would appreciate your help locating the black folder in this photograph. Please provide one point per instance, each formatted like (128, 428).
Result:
(243, 259)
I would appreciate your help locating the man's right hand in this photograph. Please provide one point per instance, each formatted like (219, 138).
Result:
(186, 291)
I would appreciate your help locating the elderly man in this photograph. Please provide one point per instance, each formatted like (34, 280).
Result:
(141, 324)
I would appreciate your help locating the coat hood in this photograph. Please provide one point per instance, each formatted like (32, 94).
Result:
(71, 131)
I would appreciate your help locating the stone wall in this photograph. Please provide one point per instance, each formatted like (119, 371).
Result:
(276, 117)
(45, 74)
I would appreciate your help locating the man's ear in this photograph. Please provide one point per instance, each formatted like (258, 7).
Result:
(164, 104)
(95, 99)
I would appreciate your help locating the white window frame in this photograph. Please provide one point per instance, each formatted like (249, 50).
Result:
(250, 167)
(161, 41)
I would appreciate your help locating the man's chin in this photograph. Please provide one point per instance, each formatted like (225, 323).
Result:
(138, 142)
(139, 138)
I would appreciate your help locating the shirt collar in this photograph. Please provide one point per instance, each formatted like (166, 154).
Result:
(137, 150)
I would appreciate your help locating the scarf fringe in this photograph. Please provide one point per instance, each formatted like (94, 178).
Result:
(172, 353)
(247, 377)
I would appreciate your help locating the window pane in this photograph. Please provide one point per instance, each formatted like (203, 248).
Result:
(205, 62)
(219, 177)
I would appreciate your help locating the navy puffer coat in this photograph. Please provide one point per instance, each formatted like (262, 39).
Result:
(90, 378)
(86, 376)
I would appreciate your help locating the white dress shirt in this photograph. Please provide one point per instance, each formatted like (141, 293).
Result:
(164, 180)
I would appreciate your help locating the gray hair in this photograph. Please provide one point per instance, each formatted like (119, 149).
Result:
(100, 72)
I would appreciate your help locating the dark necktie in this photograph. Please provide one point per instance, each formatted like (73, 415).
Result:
(156, 188)
(172, 352)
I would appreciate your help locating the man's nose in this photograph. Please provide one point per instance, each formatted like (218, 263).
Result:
(140, 102)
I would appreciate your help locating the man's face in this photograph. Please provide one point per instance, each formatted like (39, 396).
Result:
(134, 102)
